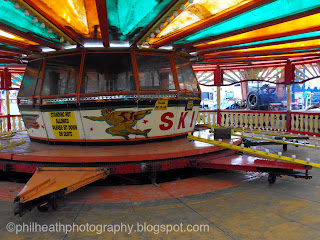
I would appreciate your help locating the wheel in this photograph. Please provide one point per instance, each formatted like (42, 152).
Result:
(272, 178)
(252, 100)
(53, 202)
(43, 208)
(285, 147)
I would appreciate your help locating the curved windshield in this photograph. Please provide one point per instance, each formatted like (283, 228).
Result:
(107, 72)
(155, 72)
(61, 75)
(186, 77)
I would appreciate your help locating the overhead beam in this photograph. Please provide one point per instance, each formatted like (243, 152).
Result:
(217, 18)
(103, 21)
(260, 52)
(18, 51)
(215, 50)
(262, 56)
(19, 45)
(30, 37)
(248, 29)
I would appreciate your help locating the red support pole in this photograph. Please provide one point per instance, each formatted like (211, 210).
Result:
(7, 85)
(217, 82)
(289, 77)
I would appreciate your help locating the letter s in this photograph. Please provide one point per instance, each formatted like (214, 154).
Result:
(167, 121)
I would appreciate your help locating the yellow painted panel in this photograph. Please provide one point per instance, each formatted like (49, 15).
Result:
(71, 13)
(199, 10)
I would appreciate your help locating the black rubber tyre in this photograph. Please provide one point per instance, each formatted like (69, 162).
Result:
(252, 100)
(43, 208)
(272, 178)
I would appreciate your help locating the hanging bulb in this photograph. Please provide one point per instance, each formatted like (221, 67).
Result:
(182, 7)
(49, 30)
(152, 35)
(61, 39)
(175, 14)
(190, 1)
(68, 43)
(148, 39)
(42, 25)
(16, 5)
(26, 13)
(35, 20)
(157, 30)
(162, 25)
(168, 20)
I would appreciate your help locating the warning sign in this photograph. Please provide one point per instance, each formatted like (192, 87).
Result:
(161, 105)
(64, 124)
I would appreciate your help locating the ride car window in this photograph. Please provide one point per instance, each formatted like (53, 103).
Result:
(61, 75)
(155, 72)
(186, 77)
(30, 79)
(107, 72)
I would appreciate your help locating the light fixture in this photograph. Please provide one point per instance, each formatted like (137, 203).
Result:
(148, 39)
(61, 39)
(49, 30)
(26, 13)
(190, 1)
(68, 43)
(35, 20)
(152, 35)
(162, 25)
(168, 19)
(16, 5)
(157, 30)
(182, 7)
(42, 25)
(175, 14)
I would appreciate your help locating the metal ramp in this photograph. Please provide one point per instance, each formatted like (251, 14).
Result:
(49, 183)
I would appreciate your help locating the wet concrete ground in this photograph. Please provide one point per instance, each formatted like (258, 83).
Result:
(230, 204)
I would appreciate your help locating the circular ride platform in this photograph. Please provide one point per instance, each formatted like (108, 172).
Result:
(27, 157)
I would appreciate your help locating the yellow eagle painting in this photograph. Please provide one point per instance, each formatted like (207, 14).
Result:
(122, 122)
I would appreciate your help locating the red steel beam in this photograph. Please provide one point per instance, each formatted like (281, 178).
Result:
(259, 53)
(210, 22)
(18, 51)
(256, 39)
(214, 50)
(103, 21)
(19, 45)
(9, 61)
(9, 53)
(248, 29)
(66, 30)
(29, 36)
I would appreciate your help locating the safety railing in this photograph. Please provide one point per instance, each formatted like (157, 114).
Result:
(207, 117)
(304, 122)
(299, 122)
(14, 125)
(254, 119)
(247, 119)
